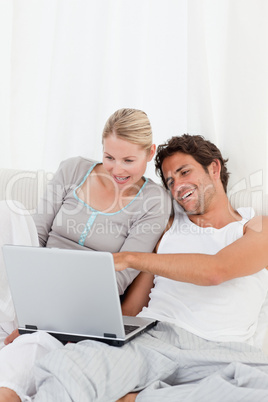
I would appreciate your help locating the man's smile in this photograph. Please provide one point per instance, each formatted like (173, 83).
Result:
(183, 196)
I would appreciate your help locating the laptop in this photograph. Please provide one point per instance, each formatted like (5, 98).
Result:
(71, 294)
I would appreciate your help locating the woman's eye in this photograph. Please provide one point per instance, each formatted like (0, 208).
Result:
(129, 160)
(108, 157)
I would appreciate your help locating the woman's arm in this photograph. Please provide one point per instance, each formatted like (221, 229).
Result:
(10, 338)
(49, 205)
(146, 225)
(137, 295)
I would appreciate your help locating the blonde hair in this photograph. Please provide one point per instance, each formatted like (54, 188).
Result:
(131, 125)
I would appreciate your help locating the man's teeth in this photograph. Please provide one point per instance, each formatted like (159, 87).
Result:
(187, 194)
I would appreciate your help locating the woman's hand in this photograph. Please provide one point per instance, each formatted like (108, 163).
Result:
(10, 338)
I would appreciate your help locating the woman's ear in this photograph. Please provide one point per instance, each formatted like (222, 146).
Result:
(152, 152)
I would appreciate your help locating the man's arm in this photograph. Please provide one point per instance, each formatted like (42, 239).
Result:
(245, 256)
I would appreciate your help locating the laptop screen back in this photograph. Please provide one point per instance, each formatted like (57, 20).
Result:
(51, 295)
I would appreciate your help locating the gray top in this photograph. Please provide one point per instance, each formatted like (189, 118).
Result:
(63, 220)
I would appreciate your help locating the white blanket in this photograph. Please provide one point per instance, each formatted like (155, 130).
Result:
(17, 227)
(166, 364)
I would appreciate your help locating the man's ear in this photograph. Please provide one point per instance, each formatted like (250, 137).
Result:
(152, 152)
(215, 168)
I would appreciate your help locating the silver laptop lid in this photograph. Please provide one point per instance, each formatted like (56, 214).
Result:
(49, 294)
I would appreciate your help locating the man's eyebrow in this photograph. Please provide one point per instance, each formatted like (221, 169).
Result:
(176, 171)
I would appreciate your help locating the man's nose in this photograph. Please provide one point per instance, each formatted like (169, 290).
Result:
(179, 186)
(178, 183)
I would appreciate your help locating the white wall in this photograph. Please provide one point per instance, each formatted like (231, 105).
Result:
(197, 66)
(75, 62)
(228, 89)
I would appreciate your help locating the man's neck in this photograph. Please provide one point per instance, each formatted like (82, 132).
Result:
(217, 216)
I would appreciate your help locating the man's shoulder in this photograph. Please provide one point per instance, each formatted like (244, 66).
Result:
(246, 212)
(258, 224)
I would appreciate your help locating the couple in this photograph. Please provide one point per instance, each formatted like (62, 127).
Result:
(210, 282)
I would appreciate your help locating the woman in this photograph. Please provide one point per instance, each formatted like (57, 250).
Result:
(108, 206)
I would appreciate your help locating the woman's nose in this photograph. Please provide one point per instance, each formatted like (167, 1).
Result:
(117, 168)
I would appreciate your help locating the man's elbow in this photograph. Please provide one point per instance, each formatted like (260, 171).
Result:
(216, 275)
(214, 280)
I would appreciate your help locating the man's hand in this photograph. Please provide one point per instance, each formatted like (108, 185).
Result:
(10, 338)
(120, 260)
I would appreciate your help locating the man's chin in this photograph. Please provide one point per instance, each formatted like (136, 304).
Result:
(191, 212)
(190, 207)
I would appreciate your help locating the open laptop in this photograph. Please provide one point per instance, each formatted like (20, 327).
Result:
(71, 294)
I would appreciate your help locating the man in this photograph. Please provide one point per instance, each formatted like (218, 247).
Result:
(210, 283)
(200, 189)
(196, 174)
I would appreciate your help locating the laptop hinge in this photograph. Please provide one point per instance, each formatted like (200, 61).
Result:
(107, 335)
(34, 327)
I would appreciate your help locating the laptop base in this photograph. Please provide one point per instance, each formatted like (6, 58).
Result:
(66, 338)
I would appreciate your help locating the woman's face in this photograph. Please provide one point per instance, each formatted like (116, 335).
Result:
(124, 161)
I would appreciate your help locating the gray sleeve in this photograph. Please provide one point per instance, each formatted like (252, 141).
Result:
(147, 229)
(49, 205)
(66, 176)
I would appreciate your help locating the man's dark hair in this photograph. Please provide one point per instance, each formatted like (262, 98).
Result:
(203, 151)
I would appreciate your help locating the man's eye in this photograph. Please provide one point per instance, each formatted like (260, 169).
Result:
(184, 172)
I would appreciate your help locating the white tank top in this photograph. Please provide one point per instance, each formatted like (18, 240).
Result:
(226, 312)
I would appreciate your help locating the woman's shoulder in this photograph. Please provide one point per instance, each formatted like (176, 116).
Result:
(75, 167)
(77, 161)
(152, 187)
(156, 196)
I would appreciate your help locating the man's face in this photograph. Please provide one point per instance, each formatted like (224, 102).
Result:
(190, 185)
